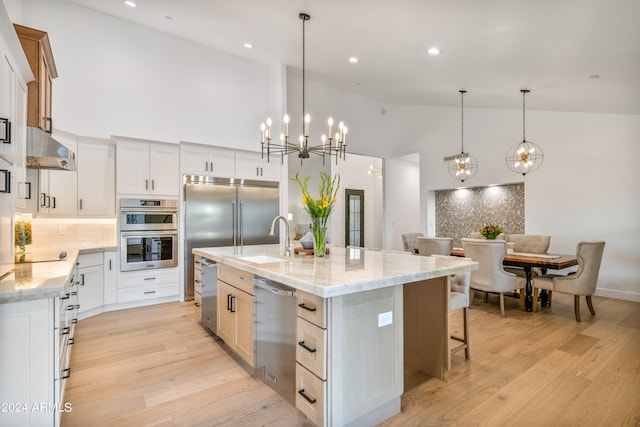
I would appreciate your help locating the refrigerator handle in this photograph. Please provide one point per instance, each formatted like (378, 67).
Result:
(235, 222)
(241, 220)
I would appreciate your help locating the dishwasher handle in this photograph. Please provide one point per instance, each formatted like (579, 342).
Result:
(263, 284)
(208, 263)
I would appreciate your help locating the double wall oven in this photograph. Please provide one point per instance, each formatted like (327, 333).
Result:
(148, 234)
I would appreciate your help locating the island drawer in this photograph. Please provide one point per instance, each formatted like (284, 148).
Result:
(238, 278)
(311, 395)
(312, 308)
(311, 347)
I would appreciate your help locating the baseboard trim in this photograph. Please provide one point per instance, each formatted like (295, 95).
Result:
(618, 294)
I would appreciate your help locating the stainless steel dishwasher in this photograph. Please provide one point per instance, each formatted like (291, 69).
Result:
(209, 293)
(275, 329)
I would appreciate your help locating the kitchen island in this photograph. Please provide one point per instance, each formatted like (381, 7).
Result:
(362, 316)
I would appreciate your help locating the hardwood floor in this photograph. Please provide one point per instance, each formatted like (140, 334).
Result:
(156, 366)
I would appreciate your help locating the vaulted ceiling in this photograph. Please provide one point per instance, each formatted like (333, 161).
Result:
(574, 55)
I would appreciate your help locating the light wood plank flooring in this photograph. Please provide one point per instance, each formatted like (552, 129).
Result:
(155, 366)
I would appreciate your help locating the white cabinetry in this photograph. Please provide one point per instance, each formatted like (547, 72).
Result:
(96, 159)
(110, 278)
(35, 361)
(148, 285)
(203, 160)
(250, 165)
(90, 281)
(147, 168)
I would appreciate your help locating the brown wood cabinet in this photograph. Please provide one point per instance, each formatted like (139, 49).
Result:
(37, 49)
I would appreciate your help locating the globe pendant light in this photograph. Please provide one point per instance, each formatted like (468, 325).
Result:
(463, 166)
(524, 157)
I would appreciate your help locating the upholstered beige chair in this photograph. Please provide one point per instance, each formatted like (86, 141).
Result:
(410, 241)
(428, 246)
(530, 243)
(459, 299)
(582, 282)
(490, 276)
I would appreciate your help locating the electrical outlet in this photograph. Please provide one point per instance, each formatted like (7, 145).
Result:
(385, 319)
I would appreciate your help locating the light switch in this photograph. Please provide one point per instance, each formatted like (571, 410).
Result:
(385, 319)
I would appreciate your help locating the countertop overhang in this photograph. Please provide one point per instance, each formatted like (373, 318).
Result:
(343, 271)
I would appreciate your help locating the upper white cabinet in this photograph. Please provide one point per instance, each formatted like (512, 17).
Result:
(147, 168)
(203, 160)
(250, 165)
(96, 159)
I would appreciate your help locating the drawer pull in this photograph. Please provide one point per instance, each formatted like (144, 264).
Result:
(311, 309)
(307, 398)
(65, 331)
(69, 308)
(66, 296)
(67, 373)
(149, 292)
(149, 278)
(309, 349)
(74, 320)
(71, 341)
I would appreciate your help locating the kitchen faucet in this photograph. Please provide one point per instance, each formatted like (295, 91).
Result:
(289, 247)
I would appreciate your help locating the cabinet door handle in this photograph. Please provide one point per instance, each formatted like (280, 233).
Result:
(233, 298)
(65, 330)
(307, 398)
(6, 187)
(260, 171)
(146, 184)
(80, 200)
(48, 201)
(206, 166)
(81, 279)
(149, 292)
(153, 184)
(304, 307)
(211, 163)
(67, 373)
(54, 202)
(228, 302)
(50, 121)
(109, 265)
(309, 349)
(43, 204)
(66, 296)
(71, 341)
(149, 278)
(26, 193)
(7, 131)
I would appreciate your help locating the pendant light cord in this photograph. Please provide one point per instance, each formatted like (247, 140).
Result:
(524, 92)
(304, 112)
(462, 92)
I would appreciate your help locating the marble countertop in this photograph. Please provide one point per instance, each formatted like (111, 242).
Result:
(32, 281)
(343, 271)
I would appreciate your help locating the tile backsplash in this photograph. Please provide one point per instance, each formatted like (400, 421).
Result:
(461, 212)
(56, 234)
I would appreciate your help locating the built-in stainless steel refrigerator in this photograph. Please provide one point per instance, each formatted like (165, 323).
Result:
(226, 212)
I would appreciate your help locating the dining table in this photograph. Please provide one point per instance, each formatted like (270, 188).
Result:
(529, 261)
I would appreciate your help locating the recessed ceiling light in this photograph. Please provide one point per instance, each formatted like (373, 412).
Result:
(168, 18)
(433, 51)
(248, 45)
(594, 76)
(353, 60)
(130, 3)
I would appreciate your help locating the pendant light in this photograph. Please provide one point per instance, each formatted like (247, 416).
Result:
(524, 157)
(462, 166)
(329, 145)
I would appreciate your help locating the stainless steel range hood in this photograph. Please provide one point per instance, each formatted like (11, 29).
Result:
(44, 152)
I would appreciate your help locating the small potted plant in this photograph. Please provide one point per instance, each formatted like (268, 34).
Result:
(491, 231)
(22, 236)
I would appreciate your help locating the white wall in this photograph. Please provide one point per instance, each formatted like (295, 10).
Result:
(587, 187)
(117, 78)
(402, 213)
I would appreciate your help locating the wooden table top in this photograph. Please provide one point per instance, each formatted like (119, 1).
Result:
(559, 261)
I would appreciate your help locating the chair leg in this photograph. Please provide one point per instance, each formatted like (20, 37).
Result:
(590, 304)
(502, 304)
(535, 300)
(465, 312)
(576, 307)
(549, 293)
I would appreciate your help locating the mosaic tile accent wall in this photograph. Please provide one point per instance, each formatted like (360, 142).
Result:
(461, 212)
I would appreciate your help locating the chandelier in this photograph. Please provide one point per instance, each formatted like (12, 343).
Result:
(462, 166)
(331, 145)
(524, 157)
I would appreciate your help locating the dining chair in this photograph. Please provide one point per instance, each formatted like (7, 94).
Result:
(530, 243)
(490, 277)
(428, 246)
(478, 235)
(459, 298)
(582, 282)
(410, 242)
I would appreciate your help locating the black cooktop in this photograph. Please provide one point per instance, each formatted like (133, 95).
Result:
(42, 257)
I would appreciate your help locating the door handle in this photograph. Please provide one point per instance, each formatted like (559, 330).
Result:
(7, 131)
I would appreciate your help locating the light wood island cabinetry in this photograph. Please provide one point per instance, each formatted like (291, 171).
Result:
(362, 316)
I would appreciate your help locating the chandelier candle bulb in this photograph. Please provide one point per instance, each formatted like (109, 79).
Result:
(262, 128)
(330, 122)
(307, 120)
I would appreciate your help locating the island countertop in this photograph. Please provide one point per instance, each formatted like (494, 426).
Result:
(343, 271)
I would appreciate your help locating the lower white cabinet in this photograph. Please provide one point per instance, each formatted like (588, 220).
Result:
(37, 340)
(110, 277)
(148, 284)
(90, 281)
